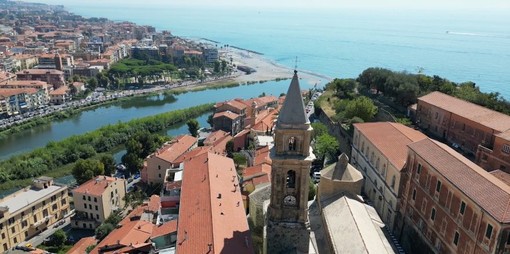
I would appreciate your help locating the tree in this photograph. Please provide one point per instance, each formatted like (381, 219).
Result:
(193, 127)
(59, 238)
(318, 129)
(109, 164)
(85, 170)
(210, 120)
(73, 89)
(326, 146)
(229, 148)
(361, 107)
(103, 230)
(92, 83)
(311, 190)
(239, 159)
(132, 162)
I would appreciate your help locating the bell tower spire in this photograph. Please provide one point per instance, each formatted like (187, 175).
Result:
(287, 217)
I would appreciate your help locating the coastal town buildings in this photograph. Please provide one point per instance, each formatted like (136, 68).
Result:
(52, 77)
(159, 165)
(451, 204)
(96, 199)
(379, 152)
(60, 95)
(31, 210)
(475, 130)
(211, 193)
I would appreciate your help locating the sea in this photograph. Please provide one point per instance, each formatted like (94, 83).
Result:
(459, 45)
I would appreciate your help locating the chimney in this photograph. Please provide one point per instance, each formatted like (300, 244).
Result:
(219, 195)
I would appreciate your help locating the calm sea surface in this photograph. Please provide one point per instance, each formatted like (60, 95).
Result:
(460, 46)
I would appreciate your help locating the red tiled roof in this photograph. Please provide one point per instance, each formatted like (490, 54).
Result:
(82, 245)
(234, 103)
(35, 83)
(165, 229)
(211, 209)
(504, 135)
(262, 156)
(226, 114)
(154, 204)
(215, 137)
(501, 175)
(176, 148)
(60, 91)
(195, 152)
(130, 233)
(490, 193)
(391, 139)
(40, 72)
(96, 186)
(476, 113)
(6, 92)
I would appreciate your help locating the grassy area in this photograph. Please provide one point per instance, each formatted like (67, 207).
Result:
(326, 101)
(53, 249)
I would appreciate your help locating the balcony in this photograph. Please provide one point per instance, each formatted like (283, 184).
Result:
(41, 221)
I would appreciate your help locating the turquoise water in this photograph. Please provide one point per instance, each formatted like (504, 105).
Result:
(342, 43)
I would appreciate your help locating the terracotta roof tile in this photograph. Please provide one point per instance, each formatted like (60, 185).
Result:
(60, 91)
(81, 245)
(96, 186)
(262, 156)
(40, 72)
(176, 148)
(226, 114)
(215, 137)
(391, 139)
(234, 103)
(154, 204)
(476, 113)
(7, 92)
(165, 229)
(486, 190)
(211, 213)
(130, 233)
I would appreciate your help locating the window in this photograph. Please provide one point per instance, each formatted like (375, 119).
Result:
(423, 205)
(159, 166)
(85, 206)
(44, 203)
(292, 144)
(506, 149)
(508, 240)
(35, 217)
(13, 230)
(63, 202)
(90, 206)
(437, 114)
(291, 179)
(96, 208)
(433, 214)
(463, 126)
(393, 180)
(97, 216)
(88, 198)
(488, 232)
(24, 223)
(159, 175)
(84, 198)
(95, 199)
(438, 186)
(462, 208)
(418, 171)
(414, 194)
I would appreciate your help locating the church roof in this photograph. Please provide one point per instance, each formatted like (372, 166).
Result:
(293, 110)
(342, 171)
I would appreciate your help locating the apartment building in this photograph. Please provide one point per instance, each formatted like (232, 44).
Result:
(379, 152)
(475, 130)
(26, 213)
(452, 204)
(60, 95)
(15, 101)
(96, 199)
(157, 165)
(52, 77)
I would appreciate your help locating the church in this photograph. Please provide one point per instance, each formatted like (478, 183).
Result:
(337, 220)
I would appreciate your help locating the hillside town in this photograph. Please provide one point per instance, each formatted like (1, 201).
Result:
(258, 181)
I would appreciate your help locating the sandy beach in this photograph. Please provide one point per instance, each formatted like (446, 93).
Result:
(265, 68)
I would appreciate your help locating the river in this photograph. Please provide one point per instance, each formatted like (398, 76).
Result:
(137, 107)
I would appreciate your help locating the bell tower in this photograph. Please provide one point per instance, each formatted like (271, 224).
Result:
(287, 218)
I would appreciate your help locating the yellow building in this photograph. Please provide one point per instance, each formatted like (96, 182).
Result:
(96, 199)
(27, 212)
